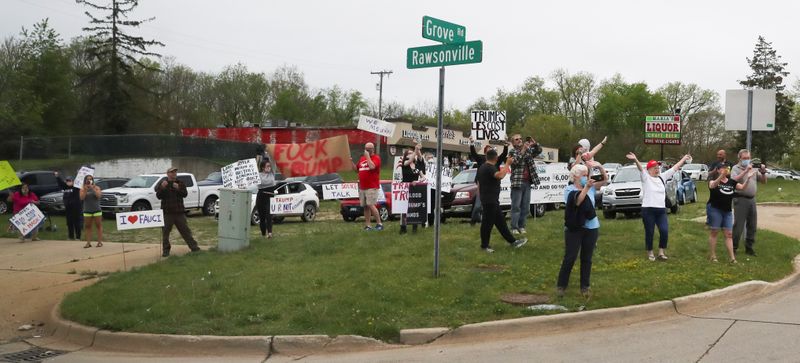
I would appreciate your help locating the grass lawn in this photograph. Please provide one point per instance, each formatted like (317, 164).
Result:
(328, 277)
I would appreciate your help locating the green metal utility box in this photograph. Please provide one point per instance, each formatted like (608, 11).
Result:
(235, 206)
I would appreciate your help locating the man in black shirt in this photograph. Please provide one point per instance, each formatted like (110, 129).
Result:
(489, 177)
(479, 160)
(73, 207)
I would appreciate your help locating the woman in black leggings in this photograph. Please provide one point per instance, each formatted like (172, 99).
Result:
(265, 191)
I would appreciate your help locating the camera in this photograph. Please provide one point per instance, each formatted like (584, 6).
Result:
(756, 163)
(528, 139)
(596, 175)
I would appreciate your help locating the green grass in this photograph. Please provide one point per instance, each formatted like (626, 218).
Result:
(328, 277)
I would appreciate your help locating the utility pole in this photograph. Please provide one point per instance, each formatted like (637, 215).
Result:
(380, 106)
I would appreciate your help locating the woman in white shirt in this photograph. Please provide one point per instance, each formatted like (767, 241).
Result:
(266, 189)
(654, 208)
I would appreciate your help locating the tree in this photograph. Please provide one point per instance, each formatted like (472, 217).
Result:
(241, 96)
(117, 53)
(578, 94)
(768, 72)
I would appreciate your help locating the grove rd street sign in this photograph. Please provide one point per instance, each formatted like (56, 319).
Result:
(442, 31)
(445, 55)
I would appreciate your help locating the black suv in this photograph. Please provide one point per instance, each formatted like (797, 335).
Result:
(40, 182)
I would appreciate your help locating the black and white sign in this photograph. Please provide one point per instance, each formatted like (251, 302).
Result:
(242, 174)
(418, 201)
(488, 125)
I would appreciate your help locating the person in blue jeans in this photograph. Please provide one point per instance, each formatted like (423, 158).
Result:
(523, 175)
(720, 212)
(580, 240)
(654, 208)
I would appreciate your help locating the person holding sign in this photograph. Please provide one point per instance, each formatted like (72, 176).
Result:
(523, 175)
(410, 174)
(479, 160)
(266, 189)
(369, 184)
(171, 193)
(489, 177)
(20, 199)
(72, 206)
(92, 214)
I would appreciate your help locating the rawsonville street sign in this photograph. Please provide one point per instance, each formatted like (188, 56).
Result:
(445, 55)
(442, 31)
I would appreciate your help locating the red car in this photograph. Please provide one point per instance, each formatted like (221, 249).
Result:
(351, 209)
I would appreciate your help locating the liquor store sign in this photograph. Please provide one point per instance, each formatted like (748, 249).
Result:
(662, 130)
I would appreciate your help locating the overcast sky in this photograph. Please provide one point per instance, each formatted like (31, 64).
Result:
(340, 42)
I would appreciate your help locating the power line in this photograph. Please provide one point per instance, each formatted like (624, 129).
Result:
(380, 104)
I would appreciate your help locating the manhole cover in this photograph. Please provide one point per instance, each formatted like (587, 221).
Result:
(33, 355)
(490, 268)
(525, 299)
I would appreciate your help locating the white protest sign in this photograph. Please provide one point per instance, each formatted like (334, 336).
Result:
(286, 205)
(430, 172)
(397, 175)
(242, 174)
(399, 198)
(82, 173)
(554, 178)
(141, 219)
(27, 219)
(375, 126)
(340, 191)
(488, 125)
(505, 190)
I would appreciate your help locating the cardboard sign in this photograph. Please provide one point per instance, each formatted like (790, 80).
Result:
(399, 197)
(314, 158)
(375, 126)
(81, 175)
(430, 172)
(418, 203)
(242, 174)
(286, 205)
(8, 178)
(141, 219)
(340, 191)
(27, 219)
(488, 125)
(554, 179)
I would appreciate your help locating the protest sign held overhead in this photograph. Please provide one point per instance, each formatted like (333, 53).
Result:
(324, 156)
(8, 178)
(140, 219)
(242, 174)
(488, 125)
(27, 219)
(340, 191)
(375, 126)
(82, 173)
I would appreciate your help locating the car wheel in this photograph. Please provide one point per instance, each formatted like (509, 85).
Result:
(609, 215)
(349, 218)
(208, 206)
(254, 217)
(383, 212)
(140, 206)
(538, 210)
(3, 207)
(694, 198)
(309, 212)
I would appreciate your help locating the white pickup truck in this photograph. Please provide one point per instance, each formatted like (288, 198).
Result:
(139, 194)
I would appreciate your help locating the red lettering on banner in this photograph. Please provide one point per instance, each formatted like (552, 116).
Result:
(280, 149)
(336, 163)
(321, 149)
(291, 148)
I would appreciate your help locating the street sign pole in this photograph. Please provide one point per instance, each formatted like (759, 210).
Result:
(749, 119)
(438, 212)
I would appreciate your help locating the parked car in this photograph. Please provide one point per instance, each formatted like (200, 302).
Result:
(696, 171)
(624, 194)
(54, 202)
(779, 174)
(41, 183)
(795, 174)
(351, 209)
(687, 189)
(317, 181)
(464, 192)
(611, 169)
(303, 191)
(139, 194)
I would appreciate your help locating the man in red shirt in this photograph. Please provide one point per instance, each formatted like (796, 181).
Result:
(369, 185)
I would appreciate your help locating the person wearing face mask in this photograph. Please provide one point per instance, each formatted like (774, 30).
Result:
(744, 202)
(583, 151)
(719, 210)
(581, 225)
(73, 208)
(654, 208)
(19, 200)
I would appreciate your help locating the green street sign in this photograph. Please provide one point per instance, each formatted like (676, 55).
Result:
(442, 31)
(445, 55)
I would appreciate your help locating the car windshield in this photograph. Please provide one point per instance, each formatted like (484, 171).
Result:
(692, 166)
(627, 175)
(141, 182)
(611, 165)
(215, 177)
(465, 177)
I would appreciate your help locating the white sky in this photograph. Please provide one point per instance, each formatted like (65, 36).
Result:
(340, 42)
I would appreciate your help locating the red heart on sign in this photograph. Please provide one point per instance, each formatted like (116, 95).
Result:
(133, 219)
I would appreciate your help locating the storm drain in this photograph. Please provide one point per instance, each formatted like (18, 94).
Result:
(33, 355)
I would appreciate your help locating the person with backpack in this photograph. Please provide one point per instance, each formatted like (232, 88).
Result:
(654, 207)
(581, 225)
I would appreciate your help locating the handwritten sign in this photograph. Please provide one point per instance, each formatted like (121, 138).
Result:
(340, 191)
(141, 219)
(554, 178)
(324, 156)
(430, 172)
(399, 197)
(82, 173)
(286, 205)
(8, 178)
(418, 203)
(488, 125)
(27, 219)
(505, 190)
(242, 174)
(375, 126)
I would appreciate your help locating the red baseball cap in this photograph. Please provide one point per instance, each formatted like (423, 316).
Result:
(652, 164)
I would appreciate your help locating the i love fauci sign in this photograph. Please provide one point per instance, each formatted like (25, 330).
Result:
(142, 219)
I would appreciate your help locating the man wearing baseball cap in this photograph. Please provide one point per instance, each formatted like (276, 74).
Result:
(171, 193)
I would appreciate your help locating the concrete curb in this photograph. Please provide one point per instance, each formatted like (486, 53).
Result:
(421, 336)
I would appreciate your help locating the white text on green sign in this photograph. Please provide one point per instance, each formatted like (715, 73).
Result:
(445, 55)
(442, 31)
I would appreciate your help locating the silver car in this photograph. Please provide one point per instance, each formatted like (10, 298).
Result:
(624, 194)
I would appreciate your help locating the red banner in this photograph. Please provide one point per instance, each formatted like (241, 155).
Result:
(314, 158)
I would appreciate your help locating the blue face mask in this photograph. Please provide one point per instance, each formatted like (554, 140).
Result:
(746, 162)
(584, 180)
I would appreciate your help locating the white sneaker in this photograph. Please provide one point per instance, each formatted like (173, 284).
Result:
(488, 250)
(515, 231)
(523, 231)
